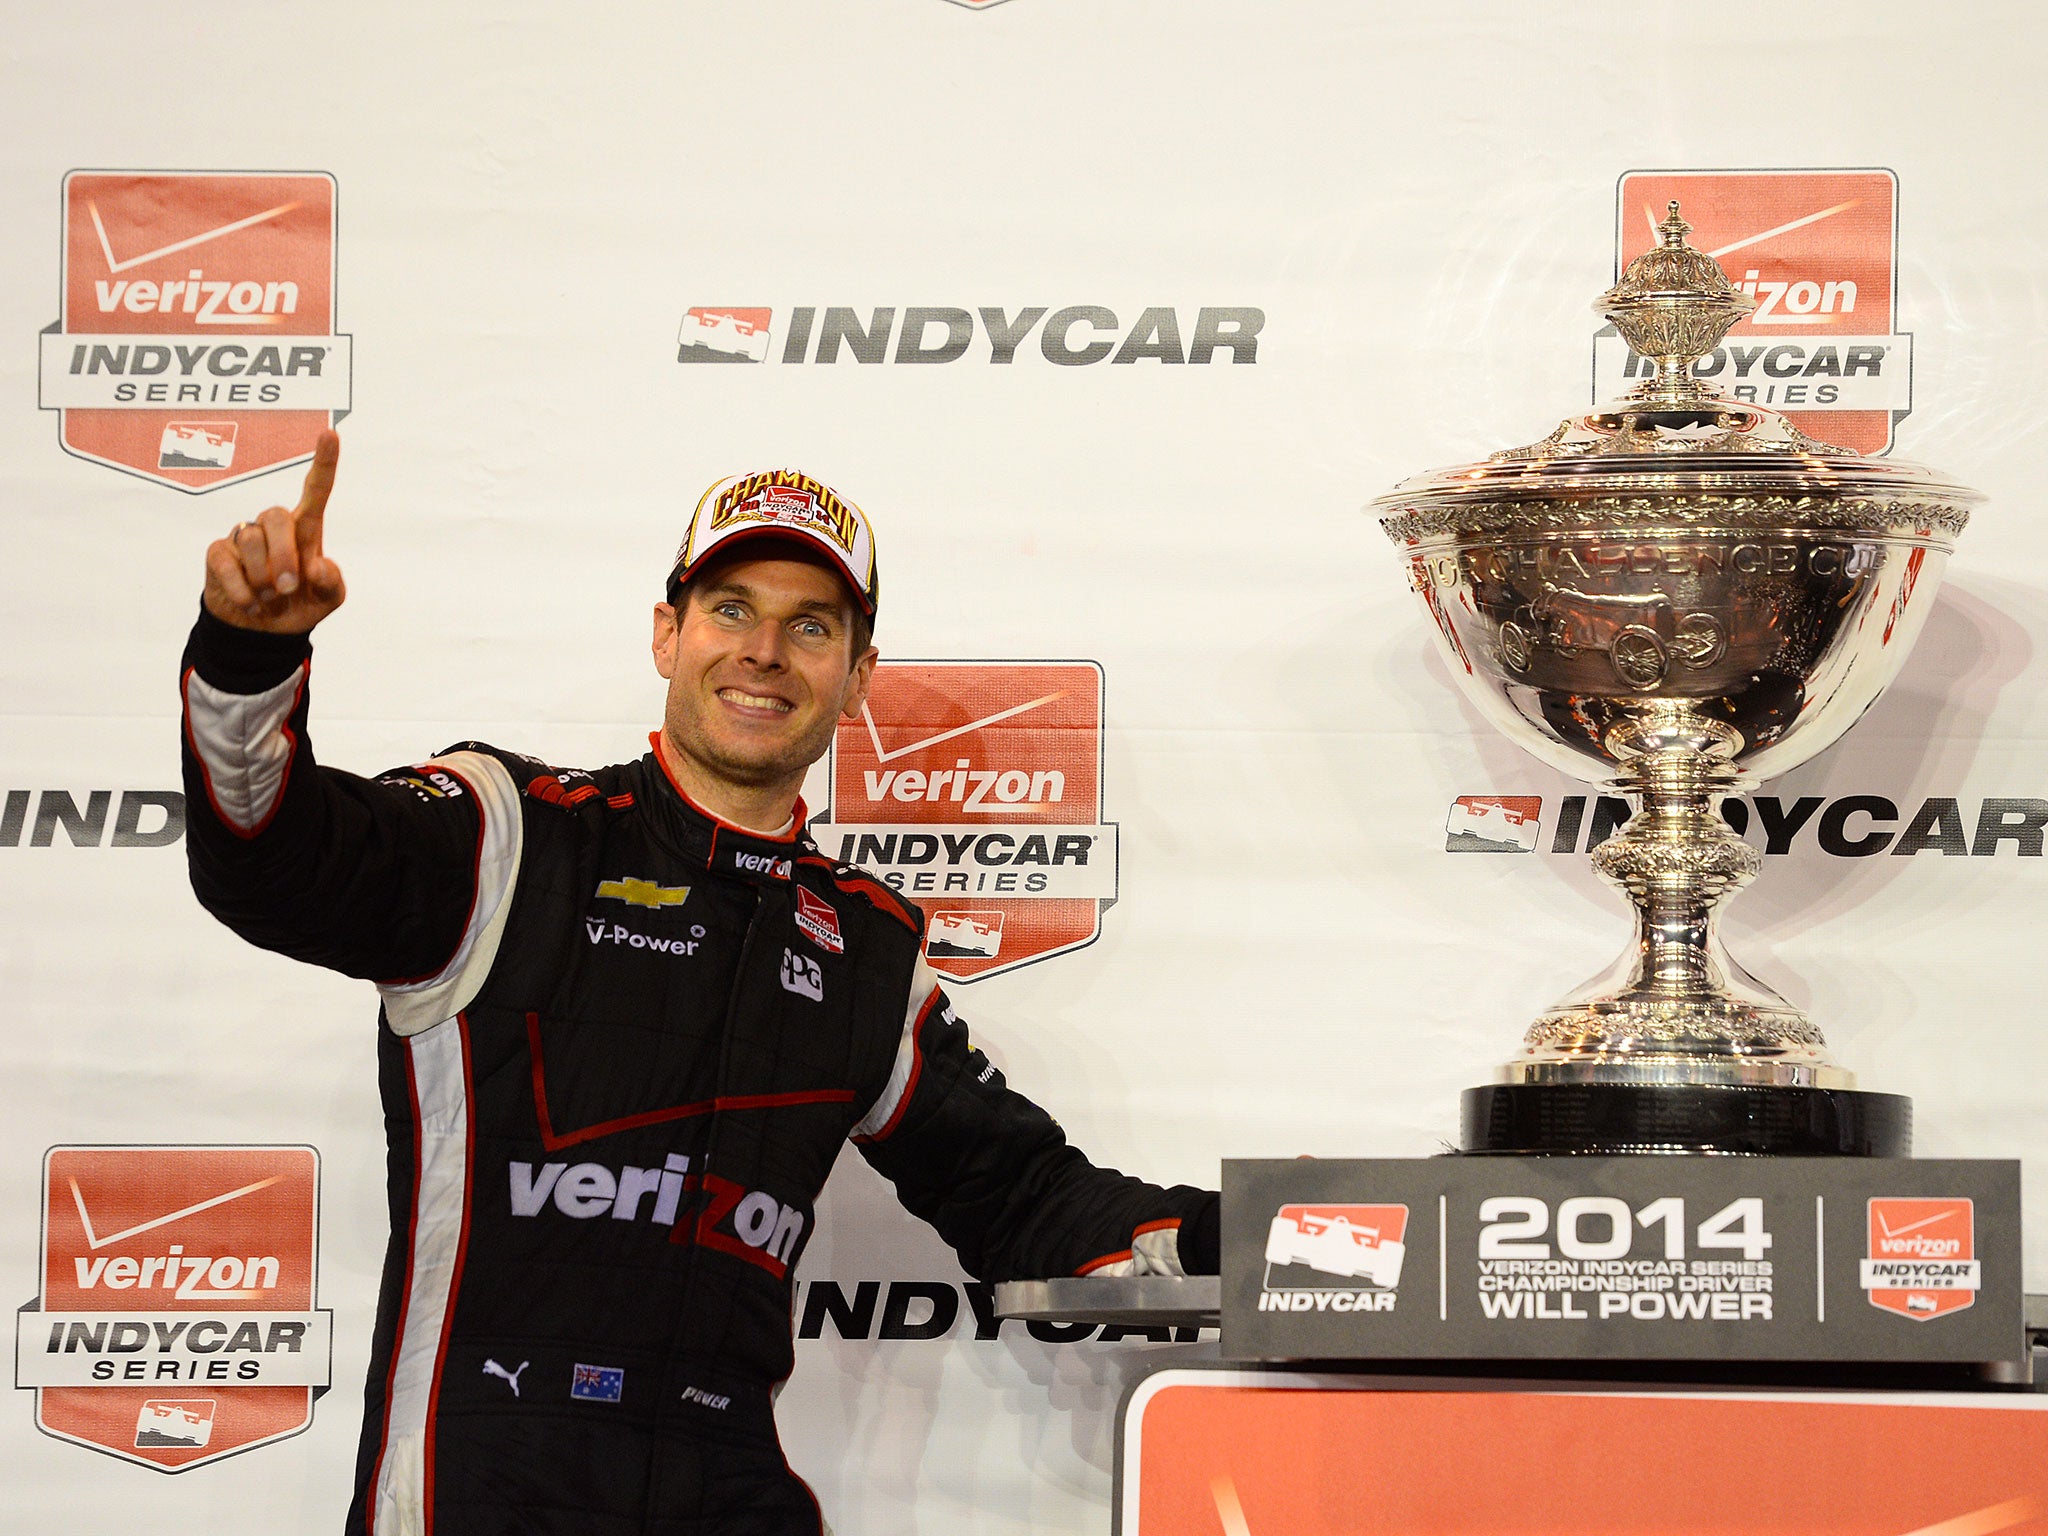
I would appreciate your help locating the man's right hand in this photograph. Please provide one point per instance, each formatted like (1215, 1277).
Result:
(272, 574)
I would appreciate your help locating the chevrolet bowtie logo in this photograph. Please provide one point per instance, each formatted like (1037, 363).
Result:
(644, 893)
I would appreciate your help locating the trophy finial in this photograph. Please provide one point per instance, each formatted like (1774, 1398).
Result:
(1673, 304)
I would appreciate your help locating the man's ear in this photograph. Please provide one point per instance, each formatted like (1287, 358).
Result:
(858, 682)
(667, 630)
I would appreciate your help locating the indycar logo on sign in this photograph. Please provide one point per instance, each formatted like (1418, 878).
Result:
(1493, 824)
(1818, 252)
(1923, 1258)
(176, 1323)
(975, 789)
(1339, 1258)
(955, 935)
(196, 346)
(724, 336)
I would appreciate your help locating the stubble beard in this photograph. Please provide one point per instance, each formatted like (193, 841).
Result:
(764, 769)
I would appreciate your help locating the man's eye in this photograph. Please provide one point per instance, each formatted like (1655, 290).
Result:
(811, 629)
(730, 610)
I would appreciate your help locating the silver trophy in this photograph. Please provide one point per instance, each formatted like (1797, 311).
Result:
(1675, 596)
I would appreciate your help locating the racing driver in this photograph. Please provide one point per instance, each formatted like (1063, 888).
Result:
(629, 1015)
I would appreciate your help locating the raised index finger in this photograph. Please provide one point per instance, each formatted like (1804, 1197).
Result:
(311, 512)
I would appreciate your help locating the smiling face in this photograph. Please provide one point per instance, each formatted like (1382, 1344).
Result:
(761, 664)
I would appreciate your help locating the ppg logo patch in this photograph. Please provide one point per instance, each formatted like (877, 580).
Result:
(801, 975)
(597, 1383)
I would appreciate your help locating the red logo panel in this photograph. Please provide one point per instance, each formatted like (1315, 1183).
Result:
(196, 346)
(177, 1322)
(975, 789)
(1923, 1257)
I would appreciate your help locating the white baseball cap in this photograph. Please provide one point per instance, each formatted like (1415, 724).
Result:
(785, 504)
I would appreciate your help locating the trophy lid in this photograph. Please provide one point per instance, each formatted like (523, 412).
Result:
(1675, 447)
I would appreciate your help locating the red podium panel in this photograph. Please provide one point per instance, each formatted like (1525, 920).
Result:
(1247, 1453)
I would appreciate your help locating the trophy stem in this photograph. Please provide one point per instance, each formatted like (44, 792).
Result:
(1677, 861)
(1676, 1048)
(1676, 1007)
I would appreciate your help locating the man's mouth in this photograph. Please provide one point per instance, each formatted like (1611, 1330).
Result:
(754, 700)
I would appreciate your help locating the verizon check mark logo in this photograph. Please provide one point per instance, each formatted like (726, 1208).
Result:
(1763, 316)
(189, 1276)
(890, 754)
(94, 1241)
(236, 226)
(1893, 1233)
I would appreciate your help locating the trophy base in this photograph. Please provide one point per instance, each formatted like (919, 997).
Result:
(1618, 1118)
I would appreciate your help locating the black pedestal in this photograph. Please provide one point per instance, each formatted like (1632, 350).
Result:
(1608, 1118)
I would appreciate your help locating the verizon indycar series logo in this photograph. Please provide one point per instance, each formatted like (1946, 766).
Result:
(196, 345)
(1334, 1258)
(176, 1323)
(1923, 1257)
(1073, 336)
(819, 920)
(975, 789)
(1818, 252)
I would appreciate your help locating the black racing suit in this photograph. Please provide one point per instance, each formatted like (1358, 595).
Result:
(622, 1044)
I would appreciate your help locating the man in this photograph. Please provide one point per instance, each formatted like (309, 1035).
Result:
(628, 1017)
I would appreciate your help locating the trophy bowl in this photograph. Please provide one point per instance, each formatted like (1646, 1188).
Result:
(1676, 596)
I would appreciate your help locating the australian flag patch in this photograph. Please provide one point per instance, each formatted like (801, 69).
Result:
(598, 1383)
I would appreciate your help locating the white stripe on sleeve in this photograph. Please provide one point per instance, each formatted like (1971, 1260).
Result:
(419, 1005)
(924, 981)
(242, 747)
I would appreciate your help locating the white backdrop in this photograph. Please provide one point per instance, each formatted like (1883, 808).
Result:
(1420, 202)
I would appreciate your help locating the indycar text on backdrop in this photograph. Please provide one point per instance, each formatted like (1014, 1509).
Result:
(1075, 335)
(1840, 826)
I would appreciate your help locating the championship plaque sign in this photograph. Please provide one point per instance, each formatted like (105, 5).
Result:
(1623, 1258)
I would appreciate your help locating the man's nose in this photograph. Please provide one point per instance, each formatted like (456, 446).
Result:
(766, 645)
